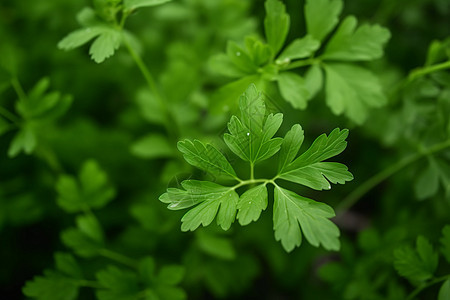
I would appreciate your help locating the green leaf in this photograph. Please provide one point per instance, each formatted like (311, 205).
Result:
(445, 242)
(293, 89)
(318, 175)
(87, 17)
(51, 286)
(25, 140)
(276, 24)
(427, 183)
(40, 106)
(251, 204)
(223, 65)
(90, 227)
(152, 146)
(239, 57)
(118, 284)
(216, 246)
(314, 80)
(250, 137)
(308, 169)
(171, 275)
(366, 43)
(444, 291)
(147, 270)
(105, 45)
(80, 37)
(62, 284)
(290, 210)
(206, 157)
(290, 146)
(150, 107)
(90, 190)
(258, 52)
(418, 265)
(85, 240)
(207, 197)
(134, 4)
(352, 90)
(224, 99)
(321, 17)
(299, 48)
(66, 264)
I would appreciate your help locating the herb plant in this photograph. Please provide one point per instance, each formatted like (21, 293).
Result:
(169, 110)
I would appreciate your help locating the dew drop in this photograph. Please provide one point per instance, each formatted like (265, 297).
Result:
(248, 133)
(238, 53)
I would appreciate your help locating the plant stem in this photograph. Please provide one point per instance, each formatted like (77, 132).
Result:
(251, 181)
(300, 63)
(426, 285)
(169, 122)
(375, 180)
(9, 115)
(89, 283)
(252, 171)
(18, 88)
(119, 258)
(50, 158)
(429, 69)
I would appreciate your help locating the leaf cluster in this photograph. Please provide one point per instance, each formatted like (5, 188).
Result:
(251, 138)
(329, 53)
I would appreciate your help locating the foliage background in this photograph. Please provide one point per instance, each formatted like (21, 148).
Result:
(106, 118)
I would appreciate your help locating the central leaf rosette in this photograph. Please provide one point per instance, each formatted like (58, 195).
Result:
(251, 138)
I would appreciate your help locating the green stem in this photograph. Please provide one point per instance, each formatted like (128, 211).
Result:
(251, 181)
(18, 88)
(89, 283)
(169, 123)
(375, 180)
(426, 285)
(252, 171)
(429, 69)
(299, 63)
(9, 115)
(119, 258)
(50, 158)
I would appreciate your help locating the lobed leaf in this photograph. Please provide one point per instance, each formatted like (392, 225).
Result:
(308, 169)
(322, 16)
(352, 90)
(61, 284)
(251, 204)
(276, 24)
(251, 136)
(90, 190)
(118, 284)
(211, 200)
(206, 157)
(299, 48)
(290, 210)
(293, 89)
(418, 265)
(351, 44)
(105, 45)
(80, 37)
